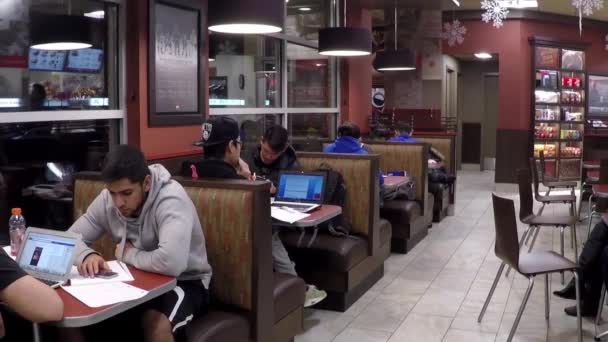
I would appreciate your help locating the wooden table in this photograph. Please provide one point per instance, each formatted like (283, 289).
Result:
(316, 217)
(76, 314)
(393, 182)
(600, 190)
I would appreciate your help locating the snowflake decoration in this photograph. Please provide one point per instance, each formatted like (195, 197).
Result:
(495, 12)
(587, 6)
(454, 32)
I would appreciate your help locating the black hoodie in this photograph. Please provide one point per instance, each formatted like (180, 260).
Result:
(216, 168)
(286, 162)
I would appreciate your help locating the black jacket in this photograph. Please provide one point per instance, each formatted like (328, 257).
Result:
(215, 168)
(286, 162)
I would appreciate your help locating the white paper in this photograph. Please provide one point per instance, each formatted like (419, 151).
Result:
(103, 294)
(78, 280)
(7, 249)
(286, 215)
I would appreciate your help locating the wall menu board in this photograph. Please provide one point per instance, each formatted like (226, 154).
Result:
(598, 95)
(547, 57)
(84, 60)
(46, 60)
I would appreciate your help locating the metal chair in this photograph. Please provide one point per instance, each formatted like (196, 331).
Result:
(552, 184)
(601, 177)
(527, 264)
(550, 199)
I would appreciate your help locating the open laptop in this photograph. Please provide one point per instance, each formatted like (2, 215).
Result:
(48, 255)
(301, 191)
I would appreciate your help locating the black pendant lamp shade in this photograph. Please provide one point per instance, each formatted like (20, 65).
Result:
(60, 32)
(345, 41)
(395, 60)
(247, 16)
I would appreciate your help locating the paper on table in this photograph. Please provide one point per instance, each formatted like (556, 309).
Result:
(7, 249)
(123, 275)
(103, 294)
(289, 216)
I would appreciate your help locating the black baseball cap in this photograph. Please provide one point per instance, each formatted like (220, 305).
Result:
(217, 130)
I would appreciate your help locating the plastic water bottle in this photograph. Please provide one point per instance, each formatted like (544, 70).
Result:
(16, 228)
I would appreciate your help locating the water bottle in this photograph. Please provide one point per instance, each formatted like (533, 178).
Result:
(16, 228)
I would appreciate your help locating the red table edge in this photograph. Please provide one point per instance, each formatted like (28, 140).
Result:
(326, 212)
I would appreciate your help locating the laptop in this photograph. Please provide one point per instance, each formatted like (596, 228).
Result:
(300, 191)
(48, 255)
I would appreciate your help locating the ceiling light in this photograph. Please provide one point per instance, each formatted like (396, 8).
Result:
(397, 59)
(305, 9)
(246, 17)
(518, 3)
(483, 55)
(60, 32)
(456, 3)
(211, 59)
(345, 41)
(96, 14)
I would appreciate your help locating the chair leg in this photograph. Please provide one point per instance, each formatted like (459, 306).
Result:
(521, 243)
(580, 203)
(534, 239)
(547, 296)
(589, 207)
(561, 242)
(575, 242)
(600, 308)
(521, 309)
(591, 215)
(579, 321)
(489, 298)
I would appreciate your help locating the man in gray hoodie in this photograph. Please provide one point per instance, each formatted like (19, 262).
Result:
(156, 228)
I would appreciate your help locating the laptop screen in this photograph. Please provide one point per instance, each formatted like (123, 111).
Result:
(300, 188)
(46, 253)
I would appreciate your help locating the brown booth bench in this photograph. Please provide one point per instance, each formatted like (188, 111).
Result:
(249, 301)
(410, 219)
(346, 267)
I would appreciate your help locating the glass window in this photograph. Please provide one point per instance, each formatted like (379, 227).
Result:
(244, 71)
(309, 131)
(33, 79)
(311, 78)
(253, 127)
(306, 17)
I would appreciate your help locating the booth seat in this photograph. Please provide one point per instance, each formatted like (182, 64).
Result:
(345, 267)
(409, 219)
(249, 302)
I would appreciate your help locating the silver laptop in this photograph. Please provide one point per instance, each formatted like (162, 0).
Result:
(48, 255)
(301, 191)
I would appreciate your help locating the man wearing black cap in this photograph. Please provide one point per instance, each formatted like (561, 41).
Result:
(221, 144)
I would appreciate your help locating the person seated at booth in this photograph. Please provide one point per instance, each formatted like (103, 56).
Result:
(221, 145)
(402, 132)
(26, 299)
(272, 156)
(348, 141)
(158, 230)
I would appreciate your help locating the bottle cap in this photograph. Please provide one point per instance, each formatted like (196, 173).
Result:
(16, 211)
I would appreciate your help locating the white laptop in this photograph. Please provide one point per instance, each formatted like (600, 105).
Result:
(301, 191)
(48, 255)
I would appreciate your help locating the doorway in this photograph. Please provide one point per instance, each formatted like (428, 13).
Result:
(489, 123)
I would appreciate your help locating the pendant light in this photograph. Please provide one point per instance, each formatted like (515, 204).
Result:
(60, 32)
(397, 59)
(345, 41)
(246, 16)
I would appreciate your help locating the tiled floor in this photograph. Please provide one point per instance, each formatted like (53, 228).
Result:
(435, 292)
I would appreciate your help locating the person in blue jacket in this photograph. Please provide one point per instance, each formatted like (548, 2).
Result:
(403, 133)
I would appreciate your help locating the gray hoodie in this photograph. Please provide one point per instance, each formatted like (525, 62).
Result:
(167, 235)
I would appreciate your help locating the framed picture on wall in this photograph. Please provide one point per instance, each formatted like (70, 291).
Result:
(176, 67)
(598, 96)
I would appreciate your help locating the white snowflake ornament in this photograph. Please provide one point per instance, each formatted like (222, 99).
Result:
(495, 12)
(454, 32)
(586, 7)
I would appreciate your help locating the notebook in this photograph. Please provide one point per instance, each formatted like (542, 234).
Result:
(48, 255)
(301, 191)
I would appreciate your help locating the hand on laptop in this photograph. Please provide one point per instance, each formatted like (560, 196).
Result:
(92, 264)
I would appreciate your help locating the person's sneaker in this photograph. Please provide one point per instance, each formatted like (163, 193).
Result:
(568, 292)
(313, 296)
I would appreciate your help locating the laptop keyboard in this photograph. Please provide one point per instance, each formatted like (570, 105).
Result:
(51, 283)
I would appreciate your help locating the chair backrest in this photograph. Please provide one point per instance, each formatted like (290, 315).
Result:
(526, 200)
(506, 247)
(543, 170)
(235, 216)
(603, 171)
(444, 144)
(362, 204)
(534, 174)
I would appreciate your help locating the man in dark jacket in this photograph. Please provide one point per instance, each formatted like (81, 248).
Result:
(272, 156)
(222, 148)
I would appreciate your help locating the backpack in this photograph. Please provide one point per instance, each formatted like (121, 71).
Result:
(334, 194)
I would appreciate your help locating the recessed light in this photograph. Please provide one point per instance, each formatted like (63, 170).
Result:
(211, 59)
(456, 3)
(304, 9)
(95, 14)
(61, 46)
(483, 55)
(245, 28)
(518, 3)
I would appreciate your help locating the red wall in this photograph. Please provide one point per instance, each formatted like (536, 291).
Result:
(155, 142)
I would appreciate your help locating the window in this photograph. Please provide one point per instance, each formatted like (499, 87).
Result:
(310, 78)
(42, 80)
(253, 126)
(306, 17)
(244, 71)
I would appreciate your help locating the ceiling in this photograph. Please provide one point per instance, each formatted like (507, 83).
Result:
(551, 6)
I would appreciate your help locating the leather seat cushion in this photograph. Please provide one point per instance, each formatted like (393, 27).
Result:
(327, 252)
(403, 209)
(386, 231)
(219, 326)
(288, 294)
